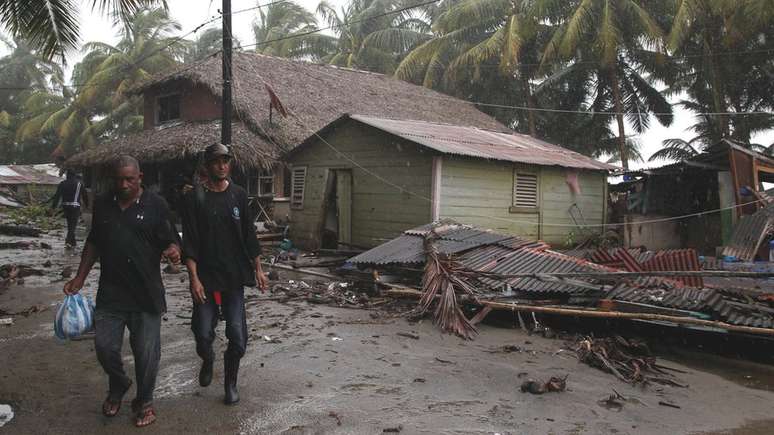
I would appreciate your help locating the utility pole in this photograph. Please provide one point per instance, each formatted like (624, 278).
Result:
(225, 127)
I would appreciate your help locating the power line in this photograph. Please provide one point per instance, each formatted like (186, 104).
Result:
(538, 109)
(300, 122)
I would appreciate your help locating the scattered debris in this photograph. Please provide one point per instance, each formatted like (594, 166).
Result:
(396, 429)
(19, 230)
(442, 278)
(7, 321)
(6, 414)
(47, 263)
(554, 385)
(444, 361)
(669, 405)
(614, 402)
(629, 360)
(409, 335)
(336, 416)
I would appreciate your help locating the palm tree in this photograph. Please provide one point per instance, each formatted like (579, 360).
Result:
(101, 107)
(207, 43)
(373, 34)
(676, 149)
(289, 30)
(22, 70)
(725, 48)
(51, 26)
(613, 35)
(474, 35)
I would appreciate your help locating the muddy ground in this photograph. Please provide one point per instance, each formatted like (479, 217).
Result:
(344, 370)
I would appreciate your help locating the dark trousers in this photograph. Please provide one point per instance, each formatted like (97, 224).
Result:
(205, 319)
(71, 215)
(145, 340)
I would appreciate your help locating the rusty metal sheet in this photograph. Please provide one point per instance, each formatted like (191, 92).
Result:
(676, 260)
(486, 144)
(749, 232)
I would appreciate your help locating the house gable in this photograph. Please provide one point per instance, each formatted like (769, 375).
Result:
(197, 102)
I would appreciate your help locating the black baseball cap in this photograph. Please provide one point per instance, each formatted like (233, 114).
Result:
(216, 150)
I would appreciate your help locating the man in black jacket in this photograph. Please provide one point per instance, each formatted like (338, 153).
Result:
(130, 231)
(71, 194)
(222, 255)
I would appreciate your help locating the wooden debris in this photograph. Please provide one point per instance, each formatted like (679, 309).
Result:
(554, 385)
(629, 360)
(443, 277)
(19, 230)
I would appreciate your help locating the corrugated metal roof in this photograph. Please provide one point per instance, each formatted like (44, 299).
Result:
(749, 233)
(28, 174)
(725, 306)
(486, 144)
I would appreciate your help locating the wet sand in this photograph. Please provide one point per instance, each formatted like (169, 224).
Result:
(337, 370)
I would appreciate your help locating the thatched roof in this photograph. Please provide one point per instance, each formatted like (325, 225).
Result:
(317, 95)
(181, 140)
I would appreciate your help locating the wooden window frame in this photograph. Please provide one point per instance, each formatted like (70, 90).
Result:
(157, 108)
(524, 209)
(297, 203)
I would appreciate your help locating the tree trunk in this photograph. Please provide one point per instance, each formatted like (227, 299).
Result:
(718, 91)
(619, 117)
(530, 104)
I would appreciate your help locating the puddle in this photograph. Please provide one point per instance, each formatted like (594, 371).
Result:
(760, 427)
(742, 372)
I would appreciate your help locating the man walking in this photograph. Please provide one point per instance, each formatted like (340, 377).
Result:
(130, 231)
(222, 255)
(71, 194)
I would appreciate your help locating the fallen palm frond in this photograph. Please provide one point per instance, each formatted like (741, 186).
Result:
(443, 277)
(629, 360)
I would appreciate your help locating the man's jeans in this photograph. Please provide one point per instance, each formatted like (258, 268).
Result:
(71, 215)
(205, 319)
(145, 339)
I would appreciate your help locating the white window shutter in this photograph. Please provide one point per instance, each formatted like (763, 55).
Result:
(297, 182)
(525, 190)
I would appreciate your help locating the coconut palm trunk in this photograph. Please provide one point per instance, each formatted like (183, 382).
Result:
(619, 117)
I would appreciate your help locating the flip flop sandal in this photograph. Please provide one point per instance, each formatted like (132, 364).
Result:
(145, 417)
(111, 407)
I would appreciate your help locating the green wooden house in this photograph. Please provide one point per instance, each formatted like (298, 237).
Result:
(362, 180)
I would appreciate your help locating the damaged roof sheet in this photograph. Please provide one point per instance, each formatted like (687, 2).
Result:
(487, 251)
(732, 308)
(27, 174)
(749, 233)
(487, 144)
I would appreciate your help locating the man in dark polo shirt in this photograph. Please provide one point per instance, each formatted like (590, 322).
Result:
(222, 255)
(130, 231)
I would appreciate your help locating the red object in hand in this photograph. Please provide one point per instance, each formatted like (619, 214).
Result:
(216, 295)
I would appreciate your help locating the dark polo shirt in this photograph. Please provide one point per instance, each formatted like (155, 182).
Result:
(129, 244)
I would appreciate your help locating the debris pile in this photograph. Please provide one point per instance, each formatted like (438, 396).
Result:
(463, 265)
(444, 280)
(629, 360)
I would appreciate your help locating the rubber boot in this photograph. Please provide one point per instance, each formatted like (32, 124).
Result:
(231, 372)
(205, 374)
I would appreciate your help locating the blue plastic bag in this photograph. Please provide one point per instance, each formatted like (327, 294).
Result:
(74, 317)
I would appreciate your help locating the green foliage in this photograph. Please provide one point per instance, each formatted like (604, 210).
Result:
(36, 215)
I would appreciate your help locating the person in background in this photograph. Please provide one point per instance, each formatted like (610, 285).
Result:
(71, 194)
(222, 254)
(130, 231)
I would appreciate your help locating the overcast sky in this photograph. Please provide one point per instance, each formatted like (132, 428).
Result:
(191, 13)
